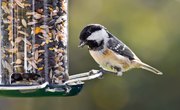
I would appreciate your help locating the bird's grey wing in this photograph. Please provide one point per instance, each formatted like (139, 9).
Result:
(119, 47)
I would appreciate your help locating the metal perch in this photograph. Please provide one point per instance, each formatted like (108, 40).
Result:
(84, 76)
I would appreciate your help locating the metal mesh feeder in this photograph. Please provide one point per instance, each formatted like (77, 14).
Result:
(34, 50)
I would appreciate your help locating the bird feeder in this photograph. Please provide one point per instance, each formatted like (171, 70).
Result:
(34, 50)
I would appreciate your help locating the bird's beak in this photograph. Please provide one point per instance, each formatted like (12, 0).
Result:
(82, 44)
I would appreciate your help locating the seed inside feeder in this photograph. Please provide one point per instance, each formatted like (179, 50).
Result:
(34, 41)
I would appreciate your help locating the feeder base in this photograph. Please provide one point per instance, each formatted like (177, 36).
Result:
(48, 91)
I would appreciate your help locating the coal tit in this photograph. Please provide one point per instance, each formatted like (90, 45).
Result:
(109, 52)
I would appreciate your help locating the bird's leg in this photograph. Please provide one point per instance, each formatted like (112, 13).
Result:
(92, 72)
(105, 71)
(119, 71)
(102, 71)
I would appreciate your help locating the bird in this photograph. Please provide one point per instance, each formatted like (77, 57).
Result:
(109, 52)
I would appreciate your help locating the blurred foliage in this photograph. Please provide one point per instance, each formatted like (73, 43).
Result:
(148, 27)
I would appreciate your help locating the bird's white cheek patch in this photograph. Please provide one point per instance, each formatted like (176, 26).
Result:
(98, 36)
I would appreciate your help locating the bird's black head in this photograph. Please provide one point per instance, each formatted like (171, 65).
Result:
(93, 35)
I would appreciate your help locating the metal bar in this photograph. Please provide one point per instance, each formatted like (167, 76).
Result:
(25, 87)
(0, 45)
(84, 76)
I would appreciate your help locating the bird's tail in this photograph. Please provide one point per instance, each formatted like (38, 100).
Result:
(148, 68)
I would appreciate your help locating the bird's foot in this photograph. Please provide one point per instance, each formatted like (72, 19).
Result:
(109, 72)
(101, 71)
(119, 73)
(92, 72)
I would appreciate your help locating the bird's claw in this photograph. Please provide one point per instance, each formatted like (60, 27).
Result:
(119, 73)
(92, 72)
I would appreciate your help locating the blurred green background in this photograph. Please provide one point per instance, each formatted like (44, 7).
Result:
(151, 28)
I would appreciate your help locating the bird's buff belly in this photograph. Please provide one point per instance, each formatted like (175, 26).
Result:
(110, 61)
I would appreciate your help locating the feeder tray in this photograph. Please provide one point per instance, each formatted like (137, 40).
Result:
(34, 50)
(37, 91)
(71, 87)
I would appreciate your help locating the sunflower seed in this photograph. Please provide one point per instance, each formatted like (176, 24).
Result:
(19, 3)
(37, 16)
(32, 23)
(8, 67)
(17, 66)
(24, 23)
(5, 8)
(18, 61)
(18, 39)
(33, 64)
(23, 33)
(36, 55)
(13, 50)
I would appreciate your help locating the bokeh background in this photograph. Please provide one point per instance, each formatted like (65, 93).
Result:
(151, 28)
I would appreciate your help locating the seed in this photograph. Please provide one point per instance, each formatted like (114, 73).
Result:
(3, 64)
(51, 48)
(19, 3)
(48, 40)
(5, 8)
(20, 55)
(39, 60)
(55, 12)
(36, 45)
(52, 22)
(37, 30)
(23, 33)
(19, 27)
(44, 26)
(33, 64)
(27, 5)
(32, 23)
(12, 43)
(60, 20)
(17, 66)
(41, 51)
(41, 68)
(10, 34)
(18, 61)
(27, 42)
(59, 36)
(8, 67)
(5, 21)
(36, 55)
(18, 39)
(10, 18)
(29, 13)
(43, 43)
(13, 50)
(29, 67)
(24, 23)
(40, 10)
(37, 16)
